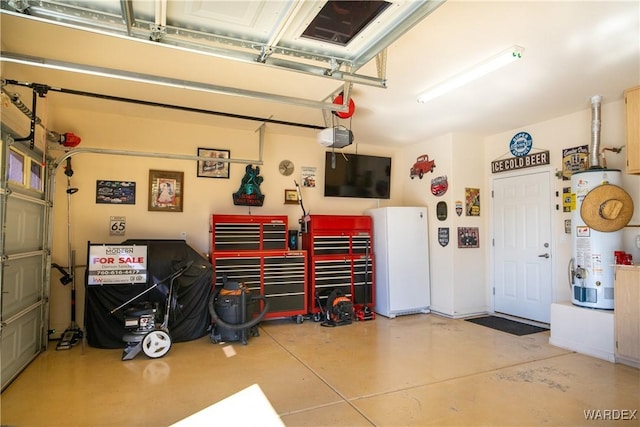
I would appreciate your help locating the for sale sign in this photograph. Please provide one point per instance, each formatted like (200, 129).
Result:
(122, 264)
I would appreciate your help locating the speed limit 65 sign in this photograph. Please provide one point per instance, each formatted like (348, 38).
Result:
(117, 226)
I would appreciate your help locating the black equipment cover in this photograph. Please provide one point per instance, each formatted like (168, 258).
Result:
(189, 317)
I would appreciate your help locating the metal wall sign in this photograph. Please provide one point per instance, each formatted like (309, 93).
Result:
(117, 225)
(443, 236)
(523, 162)
(520, 147)
(439, 185)
(574, 159)
(458, 207)
(521, 144)
(441, 211)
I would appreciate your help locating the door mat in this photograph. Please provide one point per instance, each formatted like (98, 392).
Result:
(507, 325)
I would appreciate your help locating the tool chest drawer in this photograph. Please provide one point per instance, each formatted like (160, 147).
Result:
(280, 276)
(248, 232)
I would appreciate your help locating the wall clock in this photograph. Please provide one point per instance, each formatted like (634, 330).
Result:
(286, 167)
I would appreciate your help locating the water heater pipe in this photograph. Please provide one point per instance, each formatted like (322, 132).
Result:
(594, 149)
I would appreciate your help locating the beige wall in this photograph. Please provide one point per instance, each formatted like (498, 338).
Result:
(465, 159)
(417, 192)
(202, 196)
(565, 132)
(458, 286)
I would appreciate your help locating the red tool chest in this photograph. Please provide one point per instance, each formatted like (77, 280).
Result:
(253, 249)
(339, 249)
(248, 232)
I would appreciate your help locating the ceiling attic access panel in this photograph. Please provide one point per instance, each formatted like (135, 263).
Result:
(338, 22)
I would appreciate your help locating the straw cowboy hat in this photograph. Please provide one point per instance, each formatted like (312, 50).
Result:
(607, 208)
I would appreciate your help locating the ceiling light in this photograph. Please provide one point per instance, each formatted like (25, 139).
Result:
(485, 67)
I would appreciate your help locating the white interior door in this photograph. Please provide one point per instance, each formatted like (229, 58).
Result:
(522, 246)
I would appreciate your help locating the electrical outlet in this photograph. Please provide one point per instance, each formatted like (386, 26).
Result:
(183, 235)
(638, 241)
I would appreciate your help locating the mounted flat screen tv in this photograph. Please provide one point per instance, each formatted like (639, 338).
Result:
(357, 175)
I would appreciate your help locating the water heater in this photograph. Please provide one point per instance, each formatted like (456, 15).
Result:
(592, 273)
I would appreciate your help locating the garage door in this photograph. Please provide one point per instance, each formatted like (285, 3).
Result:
(23, 258)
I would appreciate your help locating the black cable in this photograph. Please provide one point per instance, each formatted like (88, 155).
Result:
(161, 105)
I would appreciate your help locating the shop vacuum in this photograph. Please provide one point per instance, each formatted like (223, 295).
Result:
(234, 313)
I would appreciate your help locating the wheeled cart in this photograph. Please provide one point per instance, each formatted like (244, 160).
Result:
(340, 256)
(252, 250)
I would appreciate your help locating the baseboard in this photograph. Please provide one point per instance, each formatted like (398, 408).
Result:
(459, 316)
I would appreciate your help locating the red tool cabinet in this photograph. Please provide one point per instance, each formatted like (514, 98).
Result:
(339, 249)
(253, 249)
(248, 232)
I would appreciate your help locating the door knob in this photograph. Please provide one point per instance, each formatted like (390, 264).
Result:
(544, 256)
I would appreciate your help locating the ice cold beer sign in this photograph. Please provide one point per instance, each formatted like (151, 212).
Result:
(520, 146)
(514, 163)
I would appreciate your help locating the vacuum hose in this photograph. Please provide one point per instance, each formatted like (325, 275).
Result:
(216, 318)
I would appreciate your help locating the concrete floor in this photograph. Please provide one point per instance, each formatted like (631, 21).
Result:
(415, 370)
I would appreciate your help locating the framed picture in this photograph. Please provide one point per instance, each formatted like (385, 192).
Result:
(472, 197)
(213, 168)
(291, 197)
(116, 192)
(468, 237)
(166, 190)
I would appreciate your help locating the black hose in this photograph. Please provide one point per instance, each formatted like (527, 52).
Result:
(235, 327)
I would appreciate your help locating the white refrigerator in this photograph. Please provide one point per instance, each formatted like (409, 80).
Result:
(401, 250)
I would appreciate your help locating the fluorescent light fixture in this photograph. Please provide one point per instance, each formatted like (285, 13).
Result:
(485, 67)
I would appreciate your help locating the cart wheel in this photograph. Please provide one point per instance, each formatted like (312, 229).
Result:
(156, 344)
(299, 319)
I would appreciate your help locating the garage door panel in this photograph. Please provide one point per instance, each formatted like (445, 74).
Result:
(22, 284)
(20, 343)
(25, 226)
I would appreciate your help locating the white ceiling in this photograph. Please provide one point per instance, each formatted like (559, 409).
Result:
(573, 50)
